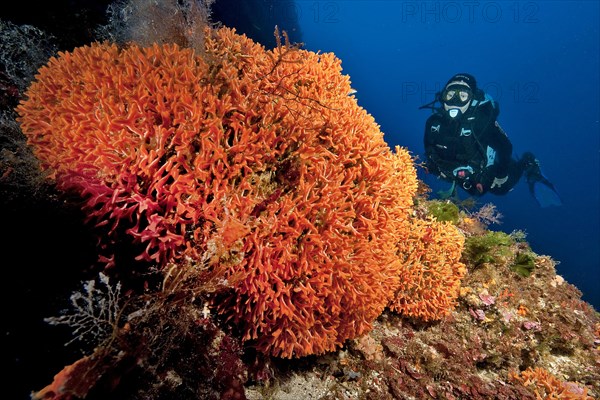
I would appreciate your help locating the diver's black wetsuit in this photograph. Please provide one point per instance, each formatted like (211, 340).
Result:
(472, 150)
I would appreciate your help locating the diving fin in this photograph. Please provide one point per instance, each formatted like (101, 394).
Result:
(448, 194)
(544, 192)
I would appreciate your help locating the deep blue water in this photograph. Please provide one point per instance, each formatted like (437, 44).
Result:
(538, 59)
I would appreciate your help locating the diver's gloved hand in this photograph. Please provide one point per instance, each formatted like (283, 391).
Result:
(463, 173)
(470, 181)
(473, 187)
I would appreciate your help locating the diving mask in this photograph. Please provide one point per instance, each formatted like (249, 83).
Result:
(457, 95)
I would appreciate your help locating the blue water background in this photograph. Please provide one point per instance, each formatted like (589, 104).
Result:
(539, 60)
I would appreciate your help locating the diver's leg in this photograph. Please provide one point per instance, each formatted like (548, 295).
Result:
(540, 187)
(505, 184)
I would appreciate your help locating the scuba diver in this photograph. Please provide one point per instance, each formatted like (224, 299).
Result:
(465, 145)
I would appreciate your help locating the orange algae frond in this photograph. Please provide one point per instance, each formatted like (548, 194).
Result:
(546, 386)
(256, 162)
(432, 271)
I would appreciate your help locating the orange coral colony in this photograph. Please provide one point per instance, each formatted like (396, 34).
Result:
(431, 272)
(253, 162)
(547, 386)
